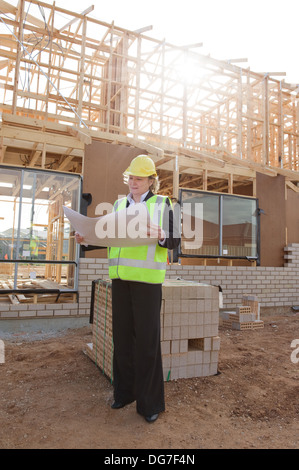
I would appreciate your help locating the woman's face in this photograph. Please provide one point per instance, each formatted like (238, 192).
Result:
(139, 185)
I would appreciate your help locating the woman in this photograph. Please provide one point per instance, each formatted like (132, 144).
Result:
(137, 275)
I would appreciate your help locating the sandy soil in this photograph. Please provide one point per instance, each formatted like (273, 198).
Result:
(54, 397)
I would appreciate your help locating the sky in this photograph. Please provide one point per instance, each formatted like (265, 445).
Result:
(265, 32)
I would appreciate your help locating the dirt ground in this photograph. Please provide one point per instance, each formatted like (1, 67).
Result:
(54, 397)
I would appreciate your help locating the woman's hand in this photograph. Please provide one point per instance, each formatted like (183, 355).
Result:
(79, 239)
(155, 231)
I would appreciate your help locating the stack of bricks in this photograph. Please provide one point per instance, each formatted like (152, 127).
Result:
(101, 348)
(253, 302)
(291, 256)
(189, 329)
(245, 317)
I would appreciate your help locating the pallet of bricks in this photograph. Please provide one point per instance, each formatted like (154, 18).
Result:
(244, 317)
(189, 329)
(101, 348)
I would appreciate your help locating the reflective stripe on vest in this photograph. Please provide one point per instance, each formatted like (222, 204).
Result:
(146, 263)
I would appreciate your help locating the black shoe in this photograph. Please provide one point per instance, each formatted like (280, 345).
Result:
(116, 405)
(152, 418)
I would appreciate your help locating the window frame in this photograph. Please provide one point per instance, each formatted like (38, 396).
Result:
(220, 254)
(17, 261)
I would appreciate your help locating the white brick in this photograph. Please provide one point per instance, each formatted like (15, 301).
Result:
(27, 313)
(165, 348)
(9, 314)
(175, 346)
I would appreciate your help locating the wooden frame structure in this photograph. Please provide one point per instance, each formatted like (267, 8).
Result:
(67, 78)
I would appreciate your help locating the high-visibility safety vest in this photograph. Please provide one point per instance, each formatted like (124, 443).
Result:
(145, 263)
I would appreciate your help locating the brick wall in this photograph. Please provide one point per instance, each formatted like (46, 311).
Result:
(275, 287)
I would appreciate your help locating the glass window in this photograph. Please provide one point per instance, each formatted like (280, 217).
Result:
(218, 225)
(200, 223)
(34, 234)
(239, 227)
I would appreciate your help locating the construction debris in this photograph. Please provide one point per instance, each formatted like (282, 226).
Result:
(244, 317)
(34, 291)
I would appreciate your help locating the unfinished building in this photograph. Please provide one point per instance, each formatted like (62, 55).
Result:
(79, 98)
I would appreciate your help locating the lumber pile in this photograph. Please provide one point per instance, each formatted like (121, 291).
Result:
(244, 317)
(189, 329)
(35, 297)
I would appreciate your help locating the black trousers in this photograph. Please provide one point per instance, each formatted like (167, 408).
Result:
(137, 361)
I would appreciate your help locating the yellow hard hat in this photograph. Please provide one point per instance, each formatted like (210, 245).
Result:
(142, 165)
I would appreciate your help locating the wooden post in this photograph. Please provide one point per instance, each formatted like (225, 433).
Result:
(81, 71)
(124, 82)
(137, 92)
(110, 64)
(290, 152)
(280, 129)
(18, 59)
(249, 119)
(162, 89)
(239, 117)
(176, 178)
(49, 61)
(294, 135)
(297, 133)
(231, 183)
(44, 153)
(205, 180)
(265, 156)
(254, 187)
(60, 234)
(228, 139)
(185, 117)
(2, 149)
(185, 108)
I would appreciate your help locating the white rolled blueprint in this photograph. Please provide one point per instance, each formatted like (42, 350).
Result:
(126, 227)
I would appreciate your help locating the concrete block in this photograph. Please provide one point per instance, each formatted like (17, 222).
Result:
(200, 331)
(176, 319)
(166, 360)
(174, 346)
(175, 332)
(214, 329)
(207, 330)
(167, 335)
(198, 370)
(213, 368)
(22, 307)
(183, 345)
(199, 318)
(216, 343)
(62, 312)
(27, 313)
(165, 347)
(9, 314)
(206, 358)
(206, 369)
(183, 372)
(191, 357)
(214, 356)
(198, 357)
(190, 371)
